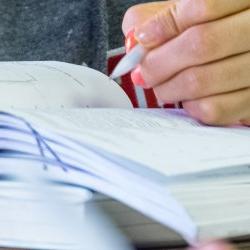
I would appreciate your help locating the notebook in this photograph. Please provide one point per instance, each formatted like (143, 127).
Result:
(163, 177)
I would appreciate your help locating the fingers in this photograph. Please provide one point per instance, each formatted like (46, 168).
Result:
(224, 109)
(198, 45)
(138, 14)
(180, 15)
(218, 245)
(202, 81)
(245, 122)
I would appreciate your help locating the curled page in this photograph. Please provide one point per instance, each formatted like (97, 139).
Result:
(51, 84)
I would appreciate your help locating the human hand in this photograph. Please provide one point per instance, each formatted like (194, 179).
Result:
(199, 54)
(217, 245)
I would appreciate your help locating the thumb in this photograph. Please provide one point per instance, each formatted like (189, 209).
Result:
(161, 27)
(178, 16)
(138, 14)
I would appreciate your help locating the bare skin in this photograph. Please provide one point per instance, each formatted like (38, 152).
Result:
(199, 54)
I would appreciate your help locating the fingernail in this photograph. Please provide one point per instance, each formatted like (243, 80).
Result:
(137, 78)
(130, 40)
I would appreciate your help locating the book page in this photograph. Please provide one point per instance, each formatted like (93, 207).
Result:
(168, 142)
(96, 168)
(165, 141)
(36, 85)
(51, 216)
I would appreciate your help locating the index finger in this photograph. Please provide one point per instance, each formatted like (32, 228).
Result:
(180, 15)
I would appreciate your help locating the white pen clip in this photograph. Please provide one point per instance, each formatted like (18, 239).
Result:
(129, 62)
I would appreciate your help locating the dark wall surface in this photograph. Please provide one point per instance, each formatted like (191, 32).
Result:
(73, 31)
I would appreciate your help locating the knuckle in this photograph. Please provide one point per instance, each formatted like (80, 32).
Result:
(195, 38)
(149, 60)
(210, 112)
(203, 43)
(194, 82)
(161, 22)
(149, 71)
(166, 21)
(208, 8)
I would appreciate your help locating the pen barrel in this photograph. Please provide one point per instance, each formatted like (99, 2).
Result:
(129, 62)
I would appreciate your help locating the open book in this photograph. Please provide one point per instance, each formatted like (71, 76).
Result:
(172, 173)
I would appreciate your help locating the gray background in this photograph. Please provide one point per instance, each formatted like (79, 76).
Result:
(73, 31)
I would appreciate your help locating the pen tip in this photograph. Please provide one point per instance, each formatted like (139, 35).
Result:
(113, 76)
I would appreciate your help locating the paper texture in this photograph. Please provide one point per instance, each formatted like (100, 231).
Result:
(49, 84)
(80, 164)
(169, 142)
